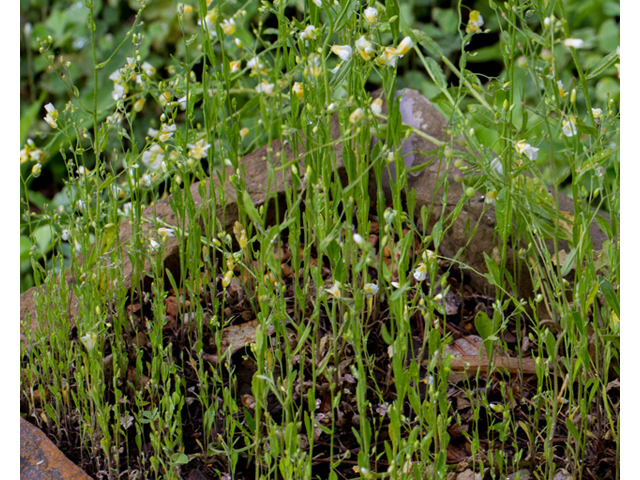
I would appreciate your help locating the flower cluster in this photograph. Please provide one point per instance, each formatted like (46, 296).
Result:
(524, 148)
(475, 22)
(388, 56)
(31, 152)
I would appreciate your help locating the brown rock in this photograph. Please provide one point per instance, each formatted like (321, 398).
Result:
(41, 460)
(418, 112)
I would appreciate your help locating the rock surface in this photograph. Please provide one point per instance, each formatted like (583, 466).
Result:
(40, 459)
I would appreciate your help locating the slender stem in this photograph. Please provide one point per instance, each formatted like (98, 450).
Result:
(92, 27)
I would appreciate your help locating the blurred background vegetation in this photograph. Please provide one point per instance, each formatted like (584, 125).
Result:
(47, 197)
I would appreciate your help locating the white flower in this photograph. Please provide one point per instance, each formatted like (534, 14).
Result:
(118, 91)
(370, 289)
(116, 76)
(25, 155)
(77, 245)
(420, 273)
(574, 42)
(356, 116)
(148, 69)
(238, 42)
(298, 90)
(524, 148)
(332, 107)
(389, 57)
(318, 3)
(167, 132)
(127, 207)
(182, 8)
(255, 64)
(335, 290)
(146, 180)
(153, 245)
(199, 149)
(343, 51)
(89, 340)
(166, 232)
(309, 32)
(597, 112)
(569, 127)
(138, 105)
(228, 26)
(126, 421)
(244, 132)
(371, 15)
(364, 47)
(547, 21)
(358, 239)
(210, 20)
(36, 170)
(36, 154)
(561, 89)
(234, 66)
(52, 115)
(153, 157)
(376, 106)
(152, 132)
(336, 68)
(65, 234)
(429, 255)
(438, 297)
(80, 205)
(265, 87)
(395, 284)
(405, 46)
(475, 22)
(182, 101)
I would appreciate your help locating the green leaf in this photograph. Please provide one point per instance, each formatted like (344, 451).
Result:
(615, 339)
(579, 322)
(43, 238)
(550, 342)
(430, 45)
(436, 73)
(437, 234)
(386, 336)
(422, 166)
(493, 268)
(603, 65)
(568, 262)
(486, 329)
(180, 458)
(573, 430)
(483, 116)
(483, 325)
(27, 117)
(610, 295)
(108, 237)
(604, 225)
(25, 248)
(345, 15)
(250, 208)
